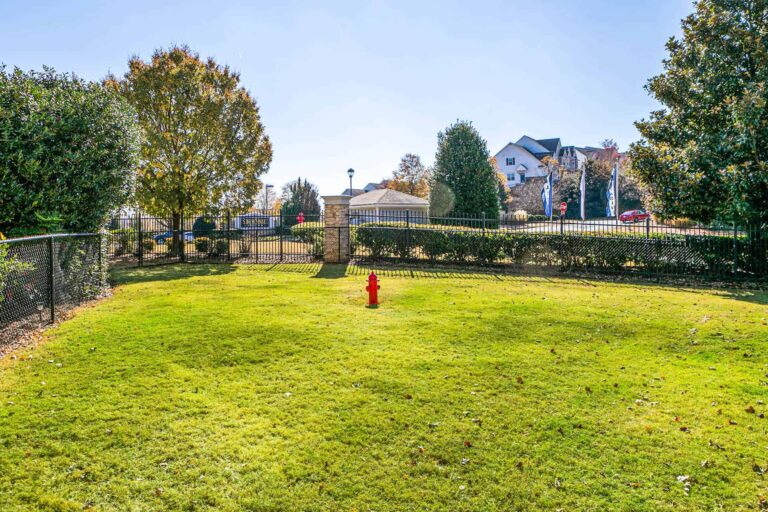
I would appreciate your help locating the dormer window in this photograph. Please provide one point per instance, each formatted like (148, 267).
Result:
(511, 161)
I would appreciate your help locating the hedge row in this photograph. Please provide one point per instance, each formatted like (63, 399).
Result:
(669, 254)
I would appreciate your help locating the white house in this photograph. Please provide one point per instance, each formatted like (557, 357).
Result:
(522, 160)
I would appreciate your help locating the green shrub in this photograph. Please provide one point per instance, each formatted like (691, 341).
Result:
(434, 244)
(202, 244)
(312, 233)
(220, 247)
(123, 240)
(148, 244)
(203, 226)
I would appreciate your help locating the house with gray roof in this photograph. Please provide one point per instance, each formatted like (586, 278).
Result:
(387, 204)
(524, 160)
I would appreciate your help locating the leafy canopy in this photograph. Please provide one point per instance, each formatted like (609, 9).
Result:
(205, 146)
(411, 176)
(704, 154)
(464, 181)
(67, 152)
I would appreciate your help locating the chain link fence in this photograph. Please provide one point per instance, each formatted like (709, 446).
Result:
(42, 277)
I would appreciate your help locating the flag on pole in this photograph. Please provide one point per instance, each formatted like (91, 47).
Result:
(583, 194)
(611, 194)
(546, 196)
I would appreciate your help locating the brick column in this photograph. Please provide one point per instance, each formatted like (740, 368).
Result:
(336, 229)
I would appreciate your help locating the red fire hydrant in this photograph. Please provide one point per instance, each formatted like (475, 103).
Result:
(373, 289)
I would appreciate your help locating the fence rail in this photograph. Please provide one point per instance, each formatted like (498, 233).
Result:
(43, 276)
(603, 245)
(256, 237)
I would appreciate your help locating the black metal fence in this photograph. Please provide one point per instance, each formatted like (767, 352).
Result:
(603, 245)
(43, 276)
(263, 236)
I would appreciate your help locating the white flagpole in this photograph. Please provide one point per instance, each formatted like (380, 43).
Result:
(616, 191)
(583, 191)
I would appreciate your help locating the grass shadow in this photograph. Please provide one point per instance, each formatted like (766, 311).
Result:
(332, 271)
(168, 272)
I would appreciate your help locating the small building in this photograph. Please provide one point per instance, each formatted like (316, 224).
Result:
(388, 205)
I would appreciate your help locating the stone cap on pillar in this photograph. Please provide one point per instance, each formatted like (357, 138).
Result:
(336, 200)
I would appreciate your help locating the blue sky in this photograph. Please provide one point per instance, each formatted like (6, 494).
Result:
(359, 83)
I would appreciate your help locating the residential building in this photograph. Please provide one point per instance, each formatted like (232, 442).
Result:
(368, 188)
(524, 160)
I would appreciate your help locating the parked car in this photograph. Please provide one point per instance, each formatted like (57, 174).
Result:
(168, 235)
(634, 216)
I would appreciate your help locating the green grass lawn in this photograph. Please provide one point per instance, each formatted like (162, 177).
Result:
(274, 389)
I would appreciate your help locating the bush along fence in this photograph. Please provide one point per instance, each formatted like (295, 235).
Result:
(600, 246)
(41, 277)
(263, 236)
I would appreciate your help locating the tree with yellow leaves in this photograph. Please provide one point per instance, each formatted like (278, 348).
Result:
(204, 144)
(411, 177)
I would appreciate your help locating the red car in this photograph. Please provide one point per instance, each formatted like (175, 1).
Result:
(634, 216)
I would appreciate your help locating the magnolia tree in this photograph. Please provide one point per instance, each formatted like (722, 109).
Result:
(205, 145)
(67, 152)
(464, 181)
(704, 154)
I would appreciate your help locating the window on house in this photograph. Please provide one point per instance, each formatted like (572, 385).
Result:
(510, 177)
(511, 161)
(522, 178)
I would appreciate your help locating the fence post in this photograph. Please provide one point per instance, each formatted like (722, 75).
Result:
(735, 250)
(336, 229)
(101, 258)
(52, 277)
(562, 224)
(229, 238)
(281, 235)
(140, 240)
(183, 244)
(408, 233)
(648, 227)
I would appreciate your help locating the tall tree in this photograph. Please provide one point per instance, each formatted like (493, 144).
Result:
(205, 145)
(464, 172)
(411, 176)
(300, 197)
(704, 154)
(67, 152)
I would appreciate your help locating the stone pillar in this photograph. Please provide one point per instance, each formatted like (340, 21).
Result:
(336, 229)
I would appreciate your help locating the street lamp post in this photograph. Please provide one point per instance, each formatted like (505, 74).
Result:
(266, 196)
(350, 173)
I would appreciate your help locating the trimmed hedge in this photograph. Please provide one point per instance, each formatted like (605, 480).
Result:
(312, 233)
(687, 254)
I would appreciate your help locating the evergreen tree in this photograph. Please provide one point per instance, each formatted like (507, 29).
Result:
(705, 154)
(464, 172)
(300, 197)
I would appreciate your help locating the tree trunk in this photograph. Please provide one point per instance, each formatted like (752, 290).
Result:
(178, 237)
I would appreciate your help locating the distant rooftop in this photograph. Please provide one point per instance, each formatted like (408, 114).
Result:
(387, 197)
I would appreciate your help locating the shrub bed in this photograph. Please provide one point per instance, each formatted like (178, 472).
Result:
(659, 253)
